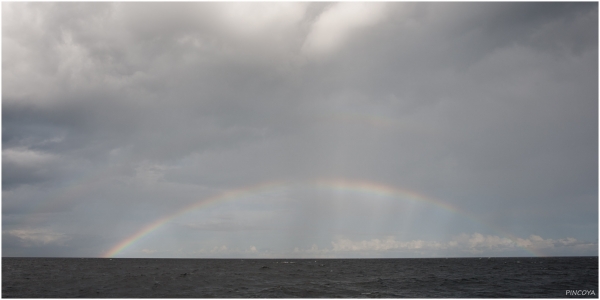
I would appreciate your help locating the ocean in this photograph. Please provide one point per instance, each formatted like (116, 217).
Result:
(550, 277)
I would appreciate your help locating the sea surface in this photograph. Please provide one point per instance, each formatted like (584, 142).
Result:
(549, 277)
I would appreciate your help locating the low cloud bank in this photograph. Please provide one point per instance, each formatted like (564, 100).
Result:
(462, 245)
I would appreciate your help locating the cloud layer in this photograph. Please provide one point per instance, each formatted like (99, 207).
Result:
(463, 245)
(118, 114)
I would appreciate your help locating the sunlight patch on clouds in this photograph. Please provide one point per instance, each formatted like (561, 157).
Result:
(252, 19)
(335, 26)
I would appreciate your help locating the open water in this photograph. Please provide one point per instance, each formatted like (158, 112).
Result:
(306, 278)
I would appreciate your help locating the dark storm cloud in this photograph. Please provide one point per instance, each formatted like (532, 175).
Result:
(116, 113)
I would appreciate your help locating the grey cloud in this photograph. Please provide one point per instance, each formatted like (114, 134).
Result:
(144, 108)
(26, 167)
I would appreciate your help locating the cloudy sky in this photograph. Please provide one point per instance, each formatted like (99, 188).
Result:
(299, 129)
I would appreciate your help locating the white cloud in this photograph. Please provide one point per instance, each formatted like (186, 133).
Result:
(221, 249)
(463, 244)
(336, 25)
(38, 236)
(477, 241)
(378, 245)
(26, 157)
(259, 19)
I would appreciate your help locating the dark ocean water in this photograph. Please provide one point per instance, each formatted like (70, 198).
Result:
(305, 278)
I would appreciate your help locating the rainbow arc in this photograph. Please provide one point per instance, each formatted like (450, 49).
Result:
(371, 188)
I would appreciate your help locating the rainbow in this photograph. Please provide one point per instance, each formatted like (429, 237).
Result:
(228, 195)
(343, 185)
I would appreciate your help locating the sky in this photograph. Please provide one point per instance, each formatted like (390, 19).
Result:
(299, 130)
